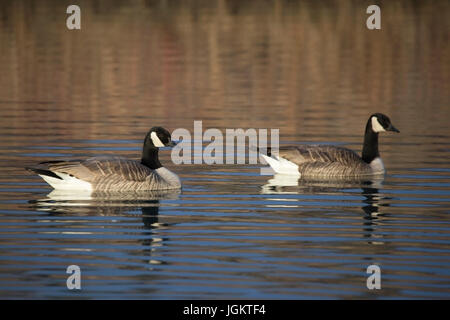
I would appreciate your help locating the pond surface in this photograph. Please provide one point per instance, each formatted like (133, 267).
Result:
(312, 71)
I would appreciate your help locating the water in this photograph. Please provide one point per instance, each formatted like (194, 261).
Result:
(312, 70)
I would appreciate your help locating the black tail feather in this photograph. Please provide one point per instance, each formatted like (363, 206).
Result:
(268, 151)
(44, 172)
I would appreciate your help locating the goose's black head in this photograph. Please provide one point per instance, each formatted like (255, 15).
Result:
(380, 123)
(156, 138)
(159, 137)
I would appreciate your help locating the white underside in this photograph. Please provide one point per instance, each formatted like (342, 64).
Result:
(285, 180)
(281, 165)
(67, 183)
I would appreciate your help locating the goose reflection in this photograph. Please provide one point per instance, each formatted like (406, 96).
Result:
(373, 200)
(287, 184)
(109, 204)
(284, 183)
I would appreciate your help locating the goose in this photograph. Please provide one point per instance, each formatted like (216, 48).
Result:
(114, 173)
(323, 161)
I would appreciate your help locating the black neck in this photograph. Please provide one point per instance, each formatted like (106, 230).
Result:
(370, 148)
(150, 155)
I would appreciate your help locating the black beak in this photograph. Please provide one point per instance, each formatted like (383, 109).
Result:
(392, 128)
(171, 144)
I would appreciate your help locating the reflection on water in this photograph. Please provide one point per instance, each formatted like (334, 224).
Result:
(369, 186)
(103, 197)
(109, 204)
(285, 182)
(311, 69)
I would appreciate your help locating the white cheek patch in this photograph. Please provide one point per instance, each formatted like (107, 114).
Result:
(376, 126)
(156, 142)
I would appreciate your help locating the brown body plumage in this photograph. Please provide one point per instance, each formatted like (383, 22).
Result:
(114, 173)
(325, 161)
(111, 173)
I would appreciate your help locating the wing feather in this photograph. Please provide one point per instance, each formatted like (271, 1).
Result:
(93, 169)
(323, 160)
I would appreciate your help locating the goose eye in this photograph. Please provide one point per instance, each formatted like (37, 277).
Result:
(163, 138)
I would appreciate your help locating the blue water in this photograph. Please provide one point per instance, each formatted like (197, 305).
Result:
(313, 71)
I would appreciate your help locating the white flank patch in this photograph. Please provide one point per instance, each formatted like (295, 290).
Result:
(62, 195)
(280, 165)
(67, 182)
(376, 126)
(283, 180)
(156, 142)
(377, 165)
